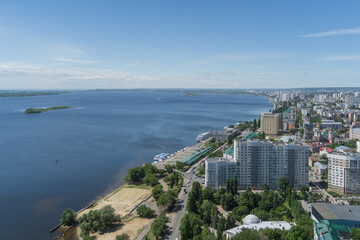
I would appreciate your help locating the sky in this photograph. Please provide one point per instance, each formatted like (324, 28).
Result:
(76, 44)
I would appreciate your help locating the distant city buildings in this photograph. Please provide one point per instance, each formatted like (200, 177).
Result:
(258, 162)
(271, 123)
(344, 173)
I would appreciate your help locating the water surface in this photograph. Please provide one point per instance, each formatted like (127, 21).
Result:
(94, 143)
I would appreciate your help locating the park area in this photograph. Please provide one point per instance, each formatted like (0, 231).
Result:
(123, 200)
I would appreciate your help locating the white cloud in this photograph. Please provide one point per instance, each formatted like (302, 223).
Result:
(71, 60)
(243, 57)
(342, 58)
(350, 31)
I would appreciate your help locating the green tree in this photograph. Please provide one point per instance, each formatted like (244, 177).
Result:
(283, 185)
(123, 236)
(240, 212)
(208, 194)
(230, 139)
(234, 186)
(157, 191)
(298, 233)
(169, 168)
(151, 180)
(227, 201)
(355, 233)
(247, 234)
(68, 217)
(180, 165)
(158, 225)
(205, 212)
(228, 185)
(98, 220)
(135, 175)
(292, 131)
(190, 226)
(167, 200)
(274, 234)
(145, 212)
(230, 221)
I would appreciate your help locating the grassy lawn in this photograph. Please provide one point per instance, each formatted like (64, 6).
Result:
(142, 186)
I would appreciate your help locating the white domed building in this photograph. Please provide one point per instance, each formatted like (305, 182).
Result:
(253, 222)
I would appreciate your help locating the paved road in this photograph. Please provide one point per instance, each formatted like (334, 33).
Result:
(179, 212)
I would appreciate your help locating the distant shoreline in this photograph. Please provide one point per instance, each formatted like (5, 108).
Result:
(31, 94)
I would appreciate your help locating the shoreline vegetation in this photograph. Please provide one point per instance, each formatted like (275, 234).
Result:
(40, 110)
(31, 94)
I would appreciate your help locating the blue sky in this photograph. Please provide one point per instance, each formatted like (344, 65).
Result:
(73, 44)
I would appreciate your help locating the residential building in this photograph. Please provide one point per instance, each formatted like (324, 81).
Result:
(348, 215)
(254, 223)
(358, 146)
(344, 173)
(320, 168)
(325, 151)
(258, 162)
(271, 123)
(354, 133)
(327, 230)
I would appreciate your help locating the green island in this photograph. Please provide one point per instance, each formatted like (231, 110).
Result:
(40, 110)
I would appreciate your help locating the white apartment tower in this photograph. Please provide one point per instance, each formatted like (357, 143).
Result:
(257, 162)
(344, 173)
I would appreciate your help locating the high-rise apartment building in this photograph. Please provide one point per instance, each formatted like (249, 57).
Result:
(344, 173)
(258, 162)
(271, 122)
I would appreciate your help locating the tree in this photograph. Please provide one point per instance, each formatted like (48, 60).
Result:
(167, 200)
(234, 186)
(179, 165)
(240, 212)
(228, 185)
(169, 168)
(298, 233)
(208, 194)
(157, 191)
(283, 185)
(227, 201)
(123, 236)
(68, 217)
(302, 131)
(230, 221)
(145, 212)
(247, 234)
(304, 190)
(355, 234)
(98, 220)
(292, 131)
(151, 180)
(135, 175)
(158, 225)
(274, 234)
(190, 226)
(88, 238)
(230, 139)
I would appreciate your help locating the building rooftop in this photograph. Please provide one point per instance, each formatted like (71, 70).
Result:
(341, 148)
(230, 151)
(327, 230)
(335, 211)
(320, 165)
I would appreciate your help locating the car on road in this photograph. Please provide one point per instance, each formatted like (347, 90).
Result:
(181, 206)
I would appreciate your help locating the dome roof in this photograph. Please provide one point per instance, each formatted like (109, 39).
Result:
(251, 219)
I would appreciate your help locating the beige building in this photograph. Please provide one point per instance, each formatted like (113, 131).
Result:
(344, 173)
(271, 123)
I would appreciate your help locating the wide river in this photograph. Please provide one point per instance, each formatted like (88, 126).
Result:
(66, 158)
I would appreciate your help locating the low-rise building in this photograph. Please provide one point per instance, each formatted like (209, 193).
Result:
(354, 133)
(320, 168)
(254, 223)
(348, 215)
(328, 230)
(325, 151)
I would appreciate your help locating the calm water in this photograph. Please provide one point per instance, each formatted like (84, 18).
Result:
(95, 143)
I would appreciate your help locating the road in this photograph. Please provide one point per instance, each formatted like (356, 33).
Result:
(179, 212)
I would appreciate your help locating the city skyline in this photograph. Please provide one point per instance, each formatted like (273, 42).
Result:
(162, 44)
